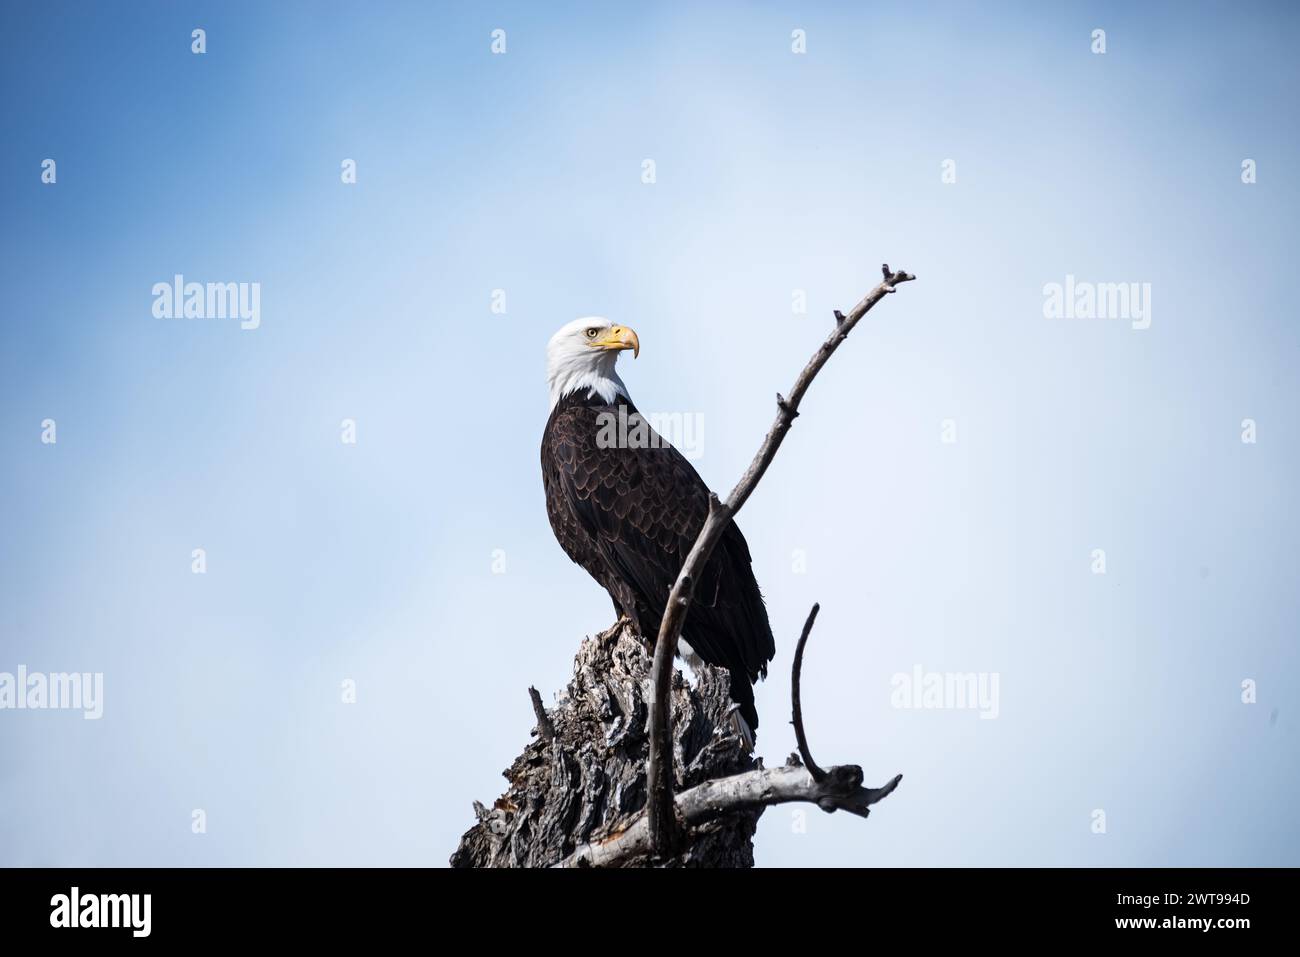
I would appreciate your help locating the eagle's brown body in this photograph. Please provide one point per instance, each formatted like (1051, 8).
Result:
(629, 516)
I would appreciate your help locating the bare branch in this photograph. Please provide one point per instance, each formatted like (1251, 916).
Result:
(796, 704)
(663, 828)
(842, 790)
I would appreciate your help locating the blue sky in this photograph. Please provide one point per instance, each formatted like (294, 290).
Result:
(522, 172)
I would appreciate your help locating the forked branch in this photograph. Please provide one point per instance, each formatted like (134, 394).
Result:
(662, 826)
(837, 789)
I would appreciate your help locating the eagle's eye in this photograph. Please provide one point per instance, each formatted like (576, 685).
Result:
(591, 333)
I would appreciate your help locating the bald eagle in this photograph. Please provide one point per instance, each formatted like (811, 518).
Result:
(629, 515)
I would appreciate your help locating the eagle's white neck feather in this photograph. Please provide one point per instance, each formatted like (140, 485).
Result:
(572, 365)
(608, 387)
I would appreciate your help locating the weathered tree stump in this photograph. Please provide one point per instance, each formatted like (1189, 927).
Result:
(583, 779)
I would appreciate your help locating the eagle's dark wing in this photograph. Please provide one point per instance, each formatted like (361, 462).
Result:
(633, 514)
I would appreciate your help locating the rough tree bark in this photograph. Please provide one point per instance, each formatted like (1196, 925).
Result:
(583, 779)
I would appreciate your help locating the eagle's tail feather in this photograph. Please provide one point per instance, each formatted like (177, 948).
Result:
(741, 726)
(742, 692)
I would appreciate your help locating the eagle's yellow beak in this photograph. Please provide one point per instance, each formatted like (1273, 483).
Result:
(620, 337)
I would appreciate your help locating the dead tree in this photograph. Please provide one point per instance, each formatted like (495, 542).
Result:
(595, 788)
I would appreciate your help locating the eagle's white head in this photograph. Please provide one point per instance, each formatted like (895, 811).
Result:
(582, 356)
